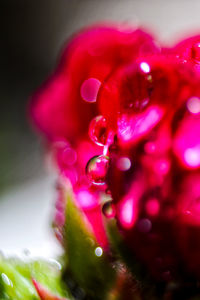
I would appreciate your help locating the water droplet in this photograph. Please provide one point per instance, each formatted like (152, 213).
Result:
(108, 209)
(55, 263)
(124, 164)
(98, 130)
(195, 52)
(98, 251)
(193, 105)
(96, 169)
(144, 225)
(89, 89)
(6, 280)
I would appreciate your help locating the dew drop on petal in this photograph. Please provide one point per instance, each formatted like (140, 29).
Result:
(108, 209)
(89, 89)
(98, 251)
(98, 130)
(96, 169)
(6, 280)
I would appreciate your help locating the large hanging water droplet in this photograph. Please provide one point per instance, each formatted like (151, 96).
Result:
(108, 209)
(96, 169)
(98, 130)
(136, 88)
(195, 52)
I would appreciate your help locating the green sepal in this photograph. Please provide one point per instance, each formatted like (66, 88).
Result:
(16, 278)
(93, 274)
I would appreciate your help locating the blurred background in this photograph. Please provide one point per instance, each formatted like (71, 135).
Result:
(32, 32)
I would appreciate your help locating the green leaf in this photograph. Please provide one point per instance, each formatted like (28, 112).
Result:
(13, 284)
(94, 274)
(16, 278)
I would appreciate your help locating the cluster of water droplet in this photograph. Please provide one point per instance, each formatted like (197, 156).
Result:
(140, 110)
(97, 166)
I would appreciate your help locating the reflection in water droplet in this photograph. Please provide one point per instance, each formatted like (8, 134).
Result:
(96, 169)
(98, 130)
(89, 89)
(98, 251)
(108, 209)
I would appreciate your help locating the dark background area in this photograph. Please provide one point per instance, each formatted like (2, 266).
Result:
(31, 36)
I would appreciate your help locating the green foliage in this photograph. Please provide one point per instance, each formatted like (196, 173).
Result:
(16, 279)
(94, 274)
